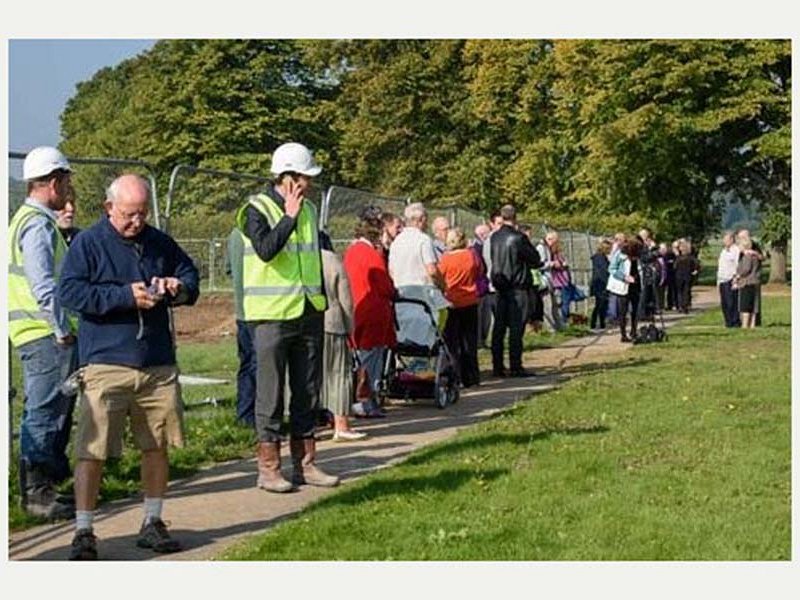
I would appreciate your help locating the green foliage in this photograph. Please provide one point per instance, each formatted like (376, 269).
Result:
(612, 133)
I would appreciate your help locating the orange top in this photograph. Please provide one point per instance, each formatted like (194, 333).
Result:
(460, 269)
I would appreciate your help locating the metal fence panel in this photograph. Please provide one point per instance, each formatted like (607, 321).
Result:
(342, 205)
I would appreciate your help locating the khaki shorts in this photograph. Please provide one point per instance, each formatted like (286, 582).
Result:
(151, 396)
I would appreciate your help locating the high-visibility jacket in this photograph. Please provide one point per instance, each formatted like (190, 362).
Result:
(276, 290)
(26, 321)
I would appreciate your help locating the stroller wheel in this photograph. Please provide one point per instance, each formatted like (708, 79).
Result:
(441, 394)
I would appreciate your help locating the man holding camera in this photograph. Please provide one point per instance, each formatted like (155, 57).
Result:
(122, 276)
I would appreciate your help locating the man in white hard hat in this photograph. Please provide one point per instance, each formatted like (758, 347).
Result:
(42, 332)
(284, 298)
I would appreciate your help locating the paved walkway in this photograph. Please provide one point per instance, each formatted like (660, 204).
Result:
(214, 507)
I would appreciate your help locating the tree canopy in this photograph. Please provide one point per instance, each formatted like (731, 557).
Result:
(599, 134)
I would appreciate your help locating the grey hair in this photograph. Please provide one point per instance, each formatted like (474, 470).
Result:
(415, 212)
(112, 191)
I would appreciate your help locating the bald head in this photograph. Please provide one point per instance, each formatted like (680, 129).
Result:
(127, 203)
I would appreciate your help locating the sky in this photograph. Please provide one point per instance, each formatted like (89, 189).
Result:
(42, 76)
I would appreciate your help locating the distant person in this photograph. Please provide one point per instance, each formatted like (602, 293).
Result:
(536, 308)
(43, 333)
(245, 347)
(392, 226)
(598, 284)
(647, 262)
(66, 219)
(726, 272)
(489, 300)
(373, 293)
(625, 283)
(548, 249)
(440, 227)
(481, 233)
(413, 259)
(759, 254)
(461, 268)
(747, 280)
(672, 286)
(122, 276)
(513, 257)
(686, 267)
(662, 282)
(337, 382)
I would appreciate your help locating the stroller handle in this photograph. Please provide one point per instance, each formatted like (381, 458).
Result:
(422, 303)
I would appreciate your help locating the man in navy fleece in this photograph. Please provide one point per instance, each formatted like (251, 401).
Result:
(122, 275)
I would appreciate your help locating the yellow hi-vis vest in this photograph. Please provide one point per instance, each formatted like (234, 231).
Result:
(26, 322)
(276, 290)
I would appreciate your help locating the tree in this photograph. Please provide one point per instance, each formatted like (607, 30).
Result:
(220, 104)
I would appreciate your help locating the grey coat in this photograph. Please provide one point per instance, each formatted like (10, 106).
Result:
(748, 272)
(339, 316)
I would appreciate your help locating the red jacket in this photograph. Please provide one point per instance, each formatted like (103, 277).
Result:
(372, 291)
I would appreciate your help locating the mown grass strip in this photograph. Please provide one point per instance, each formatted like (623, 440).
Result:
(679, 451)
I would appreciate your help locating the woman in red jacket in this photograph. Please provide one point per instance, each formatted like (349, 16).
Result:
(372, 291)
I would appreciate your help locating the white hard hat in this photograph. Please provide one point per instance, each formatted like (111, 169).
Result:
(296, 158)
(42, 161)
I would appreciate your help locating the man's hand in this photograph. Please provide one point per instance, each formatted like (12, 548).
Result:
(172, 285)
(294, 199)
(143, 298)
(67, 340)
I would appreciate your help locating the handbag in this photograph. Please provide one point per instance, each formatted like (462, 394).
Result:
(616, 286)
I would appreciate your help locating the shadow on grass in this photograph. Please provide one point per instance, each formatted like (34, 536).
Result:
(595, 367)
(443, 481)
(495, 439)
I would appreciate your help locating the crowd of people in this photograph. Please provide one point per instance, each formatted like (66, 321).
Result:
(307, 321)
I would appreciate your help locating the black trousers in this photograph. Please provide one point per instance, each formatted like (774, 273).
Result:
(729, 302)
(510, 314)
(599, 311)
(623, 304)
(486, 308)
(246, 375)
(293, 346)
(684, 293)
(461, 337)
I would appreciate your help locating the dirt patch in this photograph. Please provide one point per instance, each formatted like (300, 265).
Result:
(211, 319)
(776, 289)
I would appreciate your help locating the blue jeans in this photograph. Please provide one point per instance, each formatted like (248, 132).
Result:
(47, 413)
(372, 362)
(246, 376)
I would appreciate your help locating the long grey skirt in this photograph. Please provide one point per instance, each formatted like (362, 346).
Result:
(337, 375)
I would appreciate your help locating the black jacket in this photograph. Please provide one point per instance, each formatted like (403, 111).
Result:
(513, 257)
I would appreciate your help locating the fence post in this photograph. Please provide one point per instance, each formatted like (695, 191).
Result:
(212, 255)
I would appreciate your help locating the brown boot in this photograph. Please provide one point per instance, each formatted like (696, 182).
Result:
(304, 452)
(269, 468)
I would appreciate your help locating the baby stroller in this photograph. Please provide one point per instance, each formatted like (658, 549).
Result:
(420, 365)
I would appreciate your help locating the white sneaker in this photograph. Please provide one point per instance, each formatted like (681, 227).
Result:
(349, 435)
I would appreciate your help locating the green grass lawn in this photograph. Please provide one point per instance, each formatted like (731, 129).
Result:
(679, 451)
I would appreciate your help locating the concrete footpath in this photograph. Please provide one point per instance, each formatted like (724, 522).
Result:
(220, 504)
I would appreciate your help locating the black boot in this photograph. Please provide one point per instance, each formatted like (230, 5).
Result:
(40, 497)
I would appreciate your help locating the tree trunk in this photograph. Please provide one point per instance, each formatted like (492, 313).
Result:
(777, 263)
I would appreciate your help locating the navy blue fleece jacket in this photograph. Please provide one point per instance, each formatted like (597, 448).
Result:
(95, 282)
